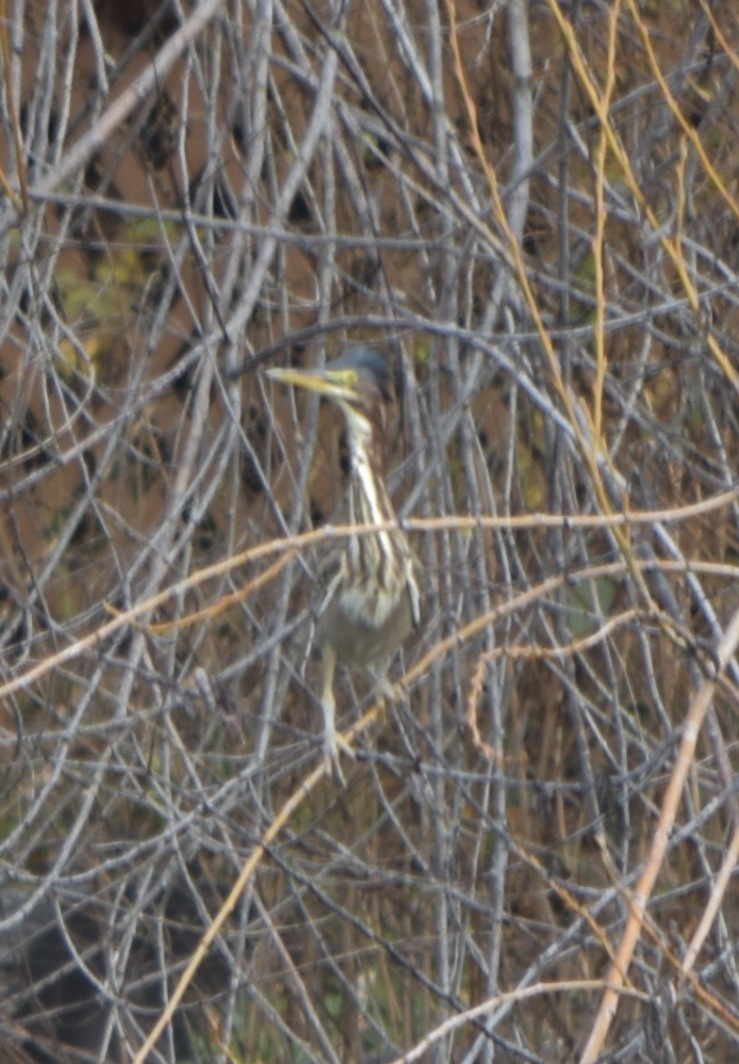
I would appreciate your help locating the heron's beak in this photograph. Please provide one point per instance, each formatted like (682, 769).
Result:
(334, 384)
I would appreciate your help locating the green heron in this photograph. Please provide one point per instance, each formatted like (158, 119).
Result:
(372, 603)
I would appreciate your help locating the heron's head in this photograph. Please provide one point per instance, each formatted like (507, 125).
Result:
(358, 382)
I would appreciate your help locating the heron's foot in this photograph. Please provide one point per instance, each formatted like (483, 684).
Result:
(391, 693)
(335, 744)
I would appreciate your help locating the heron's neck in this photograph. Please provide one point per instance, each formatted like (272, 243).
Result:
(369, 500)
(379, 559)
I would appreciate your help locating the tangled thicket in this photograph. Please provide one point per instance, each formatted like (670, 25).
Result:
(533, 210)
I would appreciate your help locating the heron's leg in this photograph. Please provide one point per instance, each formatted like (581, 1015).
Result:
(332, 740)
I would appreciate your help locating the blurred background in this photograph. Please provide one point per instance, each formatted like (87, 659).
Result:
(532, 209)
